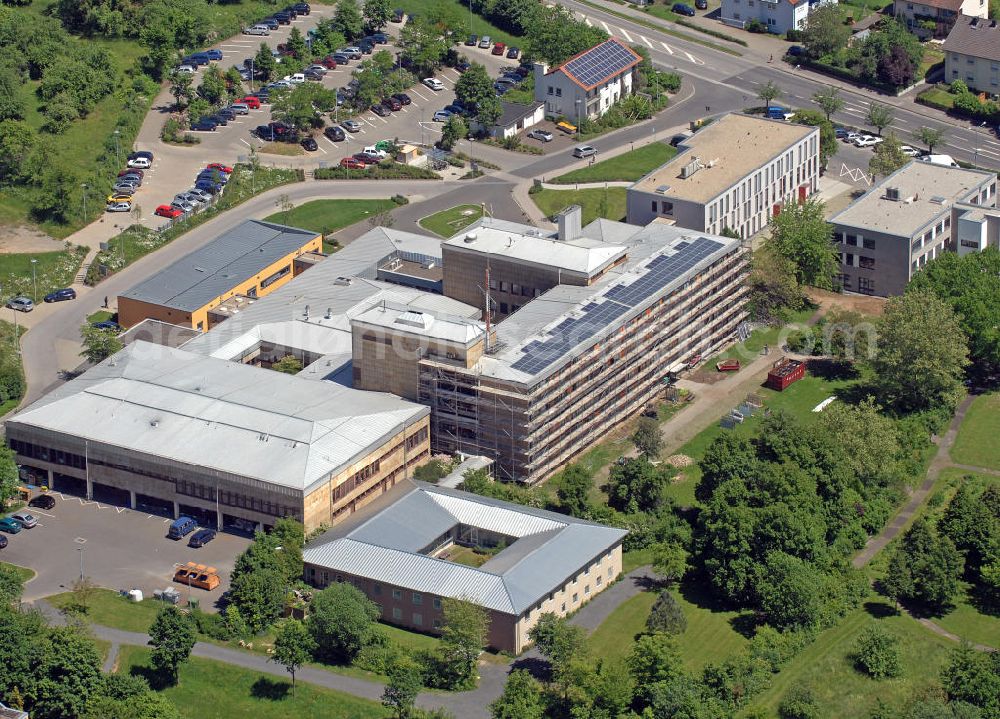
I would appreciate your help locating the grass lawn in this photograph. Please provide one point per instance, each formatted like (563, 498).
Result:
(827, 668)
(213, 690)
(113, 610)
(591, 200)
(466, 556)
(447, 223)
(939, 97)
(53, 270)
(616, 635)
(328, 216)
(100, 316)
(969, 623)
(663, 12)
(23, 572)
(8, 357)
(286, 149)
(456, 8)
(976, 442)
(773, 337)
(932, 57)
(628, 166)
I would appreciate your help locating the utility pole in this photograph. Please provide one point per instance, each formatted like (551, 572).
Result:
(34, 282)
(80, 550)
(118, 149)
(84, 186)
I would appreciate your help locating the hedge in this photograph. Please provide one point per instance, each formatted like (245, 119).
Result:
(388, 171)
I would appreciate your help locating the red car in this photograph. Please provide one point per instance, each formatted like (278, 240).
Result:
(168, 212)
(220, 167)
(500, 48)
(131, 171)
(329, 62)
(353, 163)
(252, 102)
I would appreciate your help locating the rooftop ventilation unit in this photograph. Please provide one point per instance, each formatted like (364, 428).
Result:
(470, 238)
(892, 193)
(344, 281)
(938, 200)
(329, 313)
(689, 169)
(429, 265)
(662, 189)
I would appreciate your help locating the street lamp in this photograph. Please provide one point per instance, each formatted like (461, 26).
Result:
(975, 158)
(80, 550)
(578, 113)
(118, 149)
(34, 282)
(84, 186)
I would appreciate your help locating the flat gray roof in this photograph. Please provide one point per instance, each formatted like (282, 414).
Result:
(211, 271)
(925, 191)
(384, 540)
(220, 415)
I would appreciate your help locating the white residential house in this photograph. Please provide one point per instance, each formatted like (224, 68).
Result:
(972, 54)
(588, 84)
(779, 16)
(935, 18)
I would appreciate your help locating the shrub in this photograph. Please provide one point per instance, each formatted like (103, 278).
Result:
(379, 656)
(798, 703)
(432, 471)
(211, 625)
(400, 200)
(666, 615)
(876, 652)
(755, 25)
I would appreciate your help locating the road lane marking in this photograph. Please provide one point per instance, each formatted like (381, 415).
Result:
(606, 28)
(646, 40)
(587, 20)
(666, 47)
(625, 33)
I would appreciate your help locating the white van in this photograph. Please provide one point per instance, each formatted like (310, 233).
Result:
(946, 160)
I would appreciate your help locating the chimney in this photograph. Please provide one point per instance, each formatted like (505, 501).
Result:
(570, 223)
(540, 69)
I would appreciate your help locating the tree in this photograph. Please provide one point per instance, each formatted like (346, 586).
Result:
(12, 105)
(463, 636)
(879, 116)
(790, 592)
(774, 287)
(636, 485)
(213, 86)
(829, 100)
(67, 674)
(83, 590)
(264, 63)
(9, 478)
(876, 652)
(180, 88)
(888, 157)
(296, 44)
(16, 142)
(972, 676)
(303, 106)
(574, 491)
(521, 698)
(921, 353)
(258, 596)
(293, 647)
(666, 615)
(931, 136)
(475, 89)
(423, 45)
(453, 131)
(925, 567)
(825, 32)
(11, 584)
(289, 364)
(801, 234)
(98, 344)
(172, 637)
(798, 703)
(559, 642)
(341, 621)
(872, 439)
(670, 561)
(377, 14)
(347, 19)
(769, 92)
(655, 658)
(405, 682)
(148, 705)
(647, 437)
(897, 68)
(553, 35)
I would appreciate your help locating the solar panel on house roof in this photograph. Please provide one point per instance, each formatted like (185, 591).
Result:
(599, 63)
(663, 270)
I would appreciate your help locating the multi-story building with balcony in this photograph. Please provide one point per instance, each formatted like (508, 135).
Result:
(972, 54)
(935, 18)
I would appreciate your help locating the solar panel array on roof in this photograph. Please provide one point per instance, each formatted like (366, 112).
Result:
(663, 270)
(599, 63)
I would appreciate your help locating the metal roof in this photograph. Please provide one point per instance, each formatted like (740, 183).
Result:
(211, 271)
(226, 416)
(383, 541)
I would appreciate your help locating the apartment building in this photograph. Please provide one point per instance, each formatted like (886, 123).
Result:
(734, 174)
(588, 84)
(972, 54)
(903, 222)
(935, 18)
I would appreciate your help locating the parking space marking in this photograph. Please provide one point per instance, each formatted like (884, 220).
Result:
(606, 28)
(418, 95)
(44, 514)
(693, 59)
(666, 47)
(646, 40)
(623, 32)
(587, 20)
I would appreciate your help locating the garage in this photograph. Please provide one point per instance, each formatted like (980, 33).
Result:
(204, 517)
(239, 525)
(69, 485)
(106, 494)
(154, 505)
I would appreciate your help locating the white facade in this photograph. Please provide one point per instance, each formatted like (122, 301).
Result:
(972, 54)
(575, 91)
(938, 15)
(779, 16)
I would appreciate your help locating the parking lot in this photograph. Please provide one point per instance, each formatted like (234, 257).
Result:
(118, 548)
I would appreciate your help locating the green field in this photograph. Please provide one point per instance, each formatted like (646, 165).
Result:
(966, 621)
(773, 337)
(328, 216)
(447, 223)
(826, 666)
(616, 635)
(23, 572)
(212, 690)
(110, 609)
(53, 270)
(627, 167)
(455, 8)
(976, 442)
(592, 201)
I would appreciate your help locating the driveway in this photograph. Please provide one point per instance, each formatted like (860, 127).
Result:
(118, 549)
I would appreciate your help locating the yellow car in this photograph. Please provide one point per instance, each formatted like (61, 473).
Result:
(119, 198)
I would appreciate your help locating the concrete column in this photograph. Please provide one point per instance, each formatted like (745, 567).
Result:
(177, 510)
(50, 480)
(90, 487)
(131, 499)
(218, 519)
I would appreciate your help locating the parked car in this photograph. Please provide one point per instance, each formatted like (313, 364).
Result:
(309, 144)
(463, 65)
(141, 153)
(118, 197)
(3, 542)
(433, 83)
(131, 172)
(683, 9)
(366, 158)
(454, 109)
(186, 69)
(485, 41)
(284, 18)
(541, 135)
(26, 520)
(865, 141)
(208, 186)
(214, 54)
(472, 41)
(909, 151)
(126, 189)
(119, 207)
(796, 51)
(257, 30)
(43, 501)
(380, 37)
(270, 23)
(351, 125)
(204, 125)
(167, 211)
(352, 52)
(398, 14)
(403, 98)
(21, 304)
(701, 4)
(442, 115)
(513, 53)
(11, 526)
(66, 293)
(140, 162)
(200, 194)
(201, 538)
(381, 110)
(219, 119)
(228, 113)
(341, 58)
(353, 163)
(182, 205)
(499, 49)
(335, 134)
(392, 103)
(220, 167)
(251, 101)
(584, 151)
(181, 527)
(302, 8)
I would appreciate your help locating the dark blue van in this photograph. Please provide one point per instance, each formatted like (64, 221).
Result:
(181, 527)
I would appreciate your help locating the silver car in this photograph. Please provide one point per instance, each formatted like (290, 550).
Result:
(183, 205)
(540, 135)
(21, 304)
(188, 197)
(24, 519)
(200, 194)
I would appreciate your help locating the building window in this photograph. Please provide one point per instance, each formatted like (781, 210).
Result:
(503, 308)
(418, 598)
(611, 573)
(852, 240)
(965, 243)
(437, 602)
(558, 92)
(437, 623)
(600, 581)
(377, 590)
(515, 289)
(654, 205)
(418, 619)
(397, 594)
(586, 589)
(503, 286)
(397, 613)
(563, 608)
(866, 263)
(550, 89)
(869, 244)
(866, 285)
(268, 281)
(576, 597)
